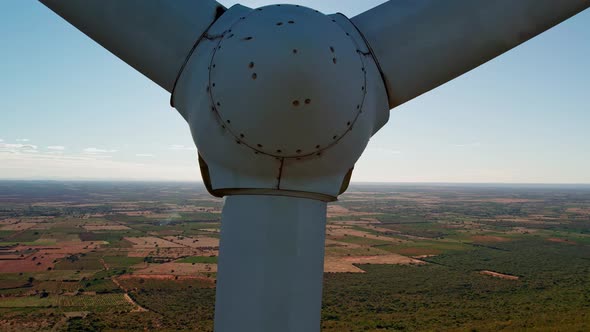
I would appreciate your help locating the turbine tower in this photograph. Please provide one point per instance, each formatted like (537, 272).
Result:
(282, 101)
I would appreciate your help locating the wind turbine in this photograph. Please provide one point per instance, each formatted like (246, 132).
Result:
(282, 100)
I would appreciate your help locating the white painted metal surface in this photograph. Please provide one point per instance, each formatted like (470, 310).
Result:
(421, 44)
(152, 36)
(271, 265)
(272, 81)
(277, 107)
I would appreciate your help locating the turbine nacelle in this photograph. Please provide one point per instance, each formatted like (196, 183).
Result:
(281, 100)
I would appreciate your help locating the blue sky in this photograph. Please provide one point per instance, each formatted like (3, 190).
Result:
(71, 110)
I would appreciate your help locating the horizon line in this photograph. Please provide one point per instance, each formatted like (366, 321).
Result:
(352, 182)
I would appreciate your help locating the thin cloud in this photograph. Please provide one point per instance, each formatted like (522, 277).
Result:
(145, 155)
(56, 147)
(97, 151)
(22, 140)
(14, 148)
(50, 165)
(178, 147)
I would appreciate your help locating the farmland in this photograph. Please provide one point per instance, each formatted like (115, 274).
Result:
(143, 256)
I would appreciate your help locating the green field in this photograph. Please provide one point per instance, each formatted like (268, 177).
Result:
(199, 259)
(121, 261)
(27, 302)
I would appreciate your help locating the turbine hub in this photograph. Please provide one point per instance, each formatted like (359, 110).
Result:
(287, 81)
(281, 100)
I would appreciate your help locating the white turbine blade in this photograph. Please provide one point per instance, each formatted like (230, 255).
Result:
(422, 44)
(153, 36)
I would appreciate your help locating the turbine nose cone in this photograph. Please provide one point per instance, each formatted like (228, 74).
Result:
(287, 81)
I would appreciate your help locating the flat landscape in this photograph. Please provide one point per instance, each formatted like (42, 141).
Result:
(115, 256)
